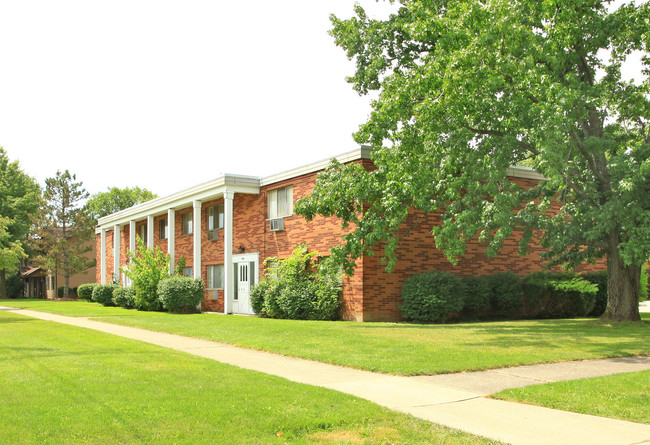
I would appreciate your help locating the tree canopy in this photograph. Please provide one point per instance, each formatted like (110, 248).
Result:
(116, 199)
(66, 231)
(467, 89)
(19, 203)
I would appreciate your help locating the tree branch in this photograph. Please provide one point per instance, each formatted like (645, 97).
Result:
(590, 159)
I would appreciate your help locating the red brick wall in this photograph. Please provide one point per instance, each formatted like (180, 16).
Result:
(417, 253)
(371, 294)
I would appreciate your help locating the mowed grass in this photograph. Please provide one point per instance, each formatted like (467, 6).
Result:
(66, 385)
(620, 396)
(394, 348)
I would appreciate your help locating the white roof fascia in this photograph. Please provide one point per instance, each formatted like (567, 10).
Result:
(519, 171)
(202, 192)
(360, 153)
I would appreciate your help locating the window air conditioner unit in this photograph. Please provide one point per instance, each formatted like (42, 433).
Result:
(277, 225)
(213, 234)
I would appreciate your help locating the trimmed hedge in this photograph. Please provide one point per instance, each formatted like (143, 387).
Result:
(124, 297)
(85, 291)
(599, 279)
(103, 294)
(477, 298)
(430, 297)
(559, 295)
(299, 300)
(180, 294)
(506, 295)
(72, 291)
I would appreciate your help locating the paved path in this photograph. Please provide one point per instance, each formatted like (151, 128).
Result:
(455, 401)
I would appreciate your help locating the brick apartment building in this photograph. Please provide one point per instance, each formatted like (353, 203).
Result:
(227, 227)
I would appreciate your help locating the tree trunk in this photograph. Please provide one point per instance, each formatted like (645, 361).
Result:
(66, 285)
(3, 284)
(622, 289)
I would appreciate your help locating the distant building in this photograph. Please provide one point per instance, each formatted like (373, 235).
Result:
(41, 283)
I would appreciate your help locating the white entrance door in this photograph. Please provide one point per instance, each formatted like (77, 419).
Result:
(244, 288)
(246, 266)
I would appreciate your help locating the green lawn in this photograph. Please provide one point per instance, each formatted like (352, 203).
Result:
(620, 396)
(397, 348)
(66, 385)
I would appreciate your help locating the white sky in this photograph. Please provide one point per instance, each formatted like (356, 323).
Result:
(165, 94)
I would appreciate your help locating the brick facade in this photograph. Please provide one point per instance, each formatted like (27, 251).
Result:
(371, 294)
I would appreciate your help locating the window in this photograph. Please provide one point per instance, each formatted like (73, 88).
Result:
(281, 202)
(215, 217)
(215, 276)
(187, 223)
(163, 229)
(187, 272)
(271, 266)
(143, 232)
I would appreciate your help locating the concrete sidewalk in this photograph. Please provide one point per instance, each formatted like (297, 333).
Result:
(454, 400)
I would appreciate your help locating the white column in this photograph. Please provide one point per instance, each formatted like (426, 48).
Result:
(117, 238)
(171, 238)
(102, 254)
(196, 222)
(150, 232)
(228, 267)
(132, 236)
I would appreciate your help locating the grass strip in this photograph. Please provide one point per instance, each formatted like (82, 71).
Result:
(619, 396)
(393, 348)
(66, 385)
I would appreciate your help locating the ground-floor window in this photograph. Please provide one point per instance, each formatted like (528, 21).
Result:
(215, 276)
(187, 272)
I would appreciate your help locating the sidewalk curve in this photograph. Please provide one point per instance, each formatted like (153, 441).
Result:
(458, 404)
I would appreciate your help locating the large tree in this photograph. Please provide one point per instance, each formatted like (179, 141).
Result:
(66, 231)
(468, 88)
(116, 199)
(19, 204)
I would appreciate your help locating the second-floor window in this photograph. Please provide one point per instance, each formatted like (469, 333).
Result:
(187, 223)
(215, 217)
(281, 202)
(164, 231)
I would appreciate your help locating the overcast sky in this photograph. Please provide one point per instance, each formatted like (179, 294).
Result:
(167, 94)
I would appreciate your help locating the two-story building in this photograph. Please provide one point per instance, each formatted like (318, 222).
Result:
(227, 227)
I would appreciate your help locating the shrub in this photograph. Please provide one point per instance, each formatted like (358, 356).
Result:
(103, 294)
(506, 294)
(536, 293)
(59, 292)
(294, 288)
(85, 291)
(431, 297)
(599, 279)
(147, 267)
(124, 297)
(558, 295)
(180, 294)
(573, 297)
(15, 286)
(309, 300)
(258, 295)
(477, 298)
